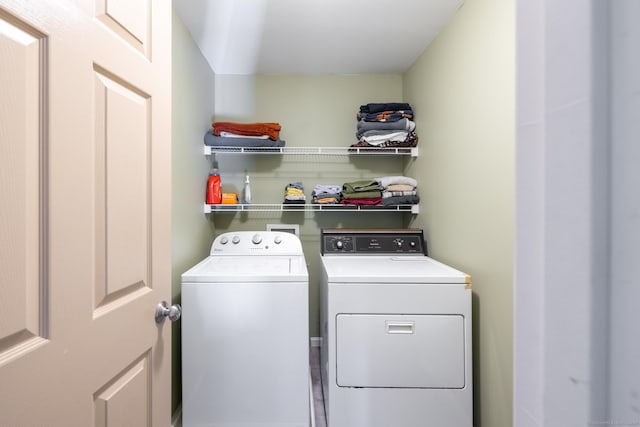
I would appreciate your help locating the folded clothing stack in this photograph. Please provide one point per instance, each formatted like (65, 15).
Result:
(294, 194)
(326, 194)
(232, 134)
(387, 124)
(398, 190)
(365, 192)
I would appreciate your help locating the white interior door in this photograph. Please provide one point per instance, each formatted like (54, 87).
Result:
(85, 212)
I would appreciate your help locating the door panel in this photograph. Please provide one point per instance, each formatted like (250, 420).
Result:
(129, 19)
(85, 219)
(113, 403)
(22, 274)
(122, 187)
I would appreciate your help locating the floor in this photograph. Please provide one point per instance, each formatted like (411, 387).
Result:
(316, 388)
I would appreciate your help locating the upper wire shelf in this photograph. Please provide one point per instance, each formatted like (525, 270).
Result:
(331, 151)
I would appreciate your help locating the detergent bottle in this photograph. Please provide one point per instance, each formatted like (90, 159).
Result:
(214, 188)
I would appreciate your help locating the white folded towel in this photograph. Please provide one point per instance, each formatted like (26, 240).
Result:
(386, 181)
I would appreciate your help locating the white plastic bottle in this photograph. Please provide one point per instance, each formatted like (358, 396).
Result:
(247, 190)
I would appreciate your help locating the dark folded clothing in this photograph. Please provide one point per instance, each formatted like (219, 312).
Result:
(222, 141)
(324, 195)
(386, 116)
(375, 107)
(293, 202)
(401, 200)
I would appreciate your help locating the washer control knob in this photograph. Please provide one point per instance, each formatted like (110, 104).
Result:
(277, 240)
(412, 244)
(235, 239)
(224, 240)
(256, 239)
(339, 244)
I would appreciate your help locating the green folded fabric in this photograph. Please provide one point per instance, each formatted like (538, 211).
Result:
(360, 186)
(362, 195)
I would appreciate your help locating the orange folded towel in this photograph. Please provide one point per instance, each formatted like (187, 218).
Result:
(248, 129)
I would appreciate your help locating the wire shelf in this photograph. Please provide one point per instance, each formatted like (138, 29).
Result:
(331, 151)
(257, 207)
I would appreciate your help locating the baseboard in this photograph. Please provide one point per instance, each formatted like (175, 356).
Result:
(316, 341)
(176, 419)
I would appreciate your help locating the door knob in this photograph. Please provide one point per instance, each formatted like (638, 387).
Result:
(163, 310)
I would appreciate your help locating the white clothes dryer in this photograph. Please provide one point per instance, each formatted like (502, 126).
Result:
(396, 332)
(245, 333)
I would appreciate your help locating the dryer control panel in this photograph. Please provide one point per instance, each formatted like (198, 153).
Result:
(337, 241)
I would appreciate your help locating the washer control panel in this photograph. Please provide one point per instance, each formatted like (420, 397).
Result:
(256, 242)
(373, 241)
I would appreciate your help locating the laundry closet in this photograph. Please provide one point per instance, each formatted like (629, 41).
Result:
(462, 92)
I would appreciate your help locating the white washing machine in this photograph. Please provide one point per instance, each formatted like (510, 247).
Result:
(396, 332)
(245, 333)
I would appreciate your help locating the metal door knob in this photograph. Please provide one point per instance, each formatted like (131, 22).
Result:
(163, 310)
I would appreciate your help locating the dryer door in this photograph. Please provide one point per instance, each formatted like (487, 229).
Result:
(404, 351)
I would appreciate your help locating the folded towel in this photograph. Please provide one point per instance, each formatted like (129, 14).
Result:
(380, 138)
(296, 184)
(290, 191)
(326, 189)
(402, 124)
(326, 200)
(294, 193)
(399, 187)
(248, 129)
(386, 181)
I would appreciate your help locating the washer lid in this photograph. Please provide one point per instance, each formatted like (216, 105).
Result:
(390, 269)
(248, 268)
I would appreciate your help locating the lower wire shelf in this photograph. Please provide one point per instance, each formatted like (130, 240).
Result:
(256, 207)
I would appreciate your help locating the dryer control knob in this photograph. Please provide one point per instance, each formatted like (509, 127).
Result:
(235, 239)
(224, 240)
(277, 240)
(256, 239)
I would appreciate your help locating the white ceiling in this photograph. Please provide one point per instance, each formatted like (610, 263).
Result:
(314, 36)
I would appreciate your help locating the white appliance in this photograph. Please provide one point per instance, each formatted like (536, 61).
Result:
(245, 333)
(396, 332)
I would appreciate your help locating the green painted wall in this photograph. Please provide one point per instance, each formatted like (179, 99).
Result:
(314, 111)
(463, 90)
(191, 234)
